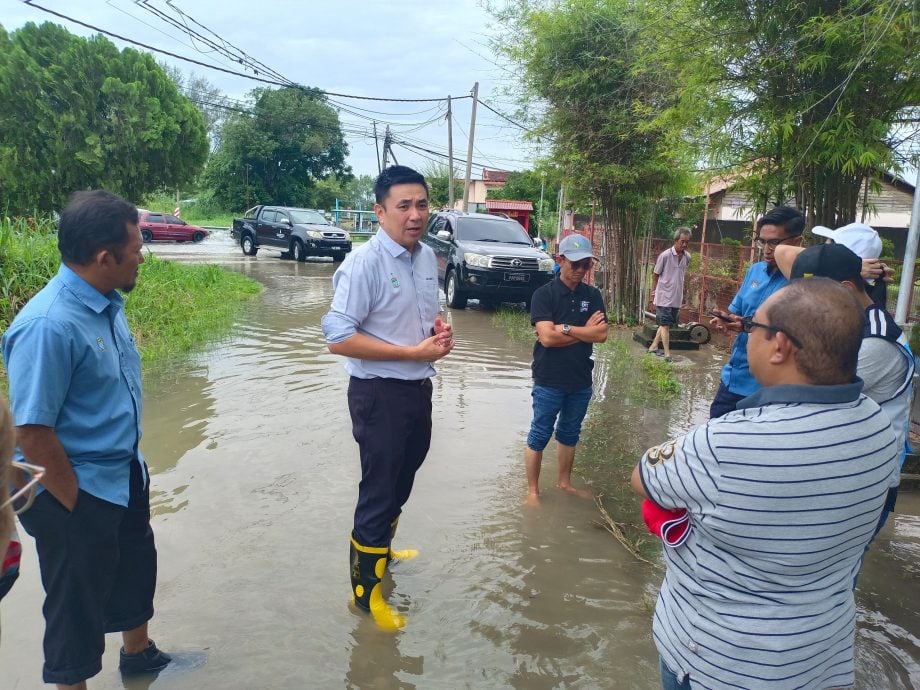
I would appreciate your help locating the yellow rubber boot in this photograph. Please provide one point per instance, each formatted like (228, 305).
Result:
(399, 554)
(368, 564)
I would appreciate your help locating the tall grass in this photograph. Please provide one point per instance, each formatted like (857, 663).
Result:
(174, 309)
(28, 259)
(177, 307)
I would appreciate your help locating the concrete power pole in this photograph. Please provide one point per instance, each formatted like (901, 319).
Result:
(450, 155)
(469, 151)
(377, 148)
(386, 148)
(910, 257)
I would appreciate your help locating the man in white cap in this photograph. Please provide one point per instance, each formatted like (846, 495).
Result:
(568, 317)
(863, 241)
(886, 364)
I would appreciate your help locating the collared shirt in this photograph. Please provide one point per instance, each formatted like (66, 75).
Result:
(568, 368)
(73, 366)
(385, 293)
(784, 494)
(670, 269)
(758, 284)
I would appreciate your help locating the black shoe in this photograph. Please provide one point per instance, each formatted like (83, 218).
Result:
(148, 661)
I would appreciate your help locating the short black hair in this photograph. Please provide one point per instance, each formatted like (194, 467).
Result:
(396, 174)
(827, 320)
(92, 221)
(792, 219)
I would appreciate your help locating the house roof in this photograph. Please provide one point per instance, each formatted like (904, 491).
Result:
(494, 178)
(508, 205)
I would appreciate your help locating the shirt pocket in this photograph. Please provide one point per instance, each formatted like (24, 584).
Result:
(429, 306)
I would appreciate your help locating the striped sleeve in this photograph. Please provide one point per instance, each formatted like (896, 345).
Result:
(682, 473)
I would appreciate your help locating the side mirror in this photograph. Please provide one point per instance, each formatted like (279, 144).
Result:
(537, 243)
(444, 234)
(285, 221)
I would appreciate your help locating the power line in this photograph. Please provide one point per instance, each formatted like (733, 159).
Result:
(252, 77)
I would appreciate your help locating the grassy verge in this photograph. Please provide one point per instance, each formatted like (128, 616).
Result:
(174, 309)
(177, 307)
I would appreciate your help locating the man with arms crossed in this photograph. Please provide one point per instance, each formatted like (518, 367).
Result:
(782, 505)
(782, 225)
(384, 320)
(568, 317)
(75, 392)
(668, 289)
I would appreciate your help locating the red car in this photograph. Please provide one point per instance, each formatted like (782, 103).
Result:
(162, 226)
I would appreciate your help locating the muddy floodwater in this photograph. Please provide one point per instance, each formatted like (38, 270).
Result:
(254, 476)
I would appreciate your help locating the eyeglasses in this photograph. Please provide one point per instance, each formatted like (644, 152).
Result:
(748, 324)
(23, 498)
(772, 244)
(583, 265)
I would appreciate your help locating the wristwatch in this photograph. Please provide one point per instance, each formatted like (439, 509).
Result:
(566, 328)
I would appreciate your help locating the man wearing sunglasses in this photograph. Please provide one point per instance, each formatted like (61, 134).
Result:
(75, 392)
(783, 498)
(569, 317)
(783, 225)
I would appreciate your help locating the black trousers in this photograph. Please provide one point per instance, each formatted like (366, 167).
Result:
(724, 402)
(98, 565)
(391, 421)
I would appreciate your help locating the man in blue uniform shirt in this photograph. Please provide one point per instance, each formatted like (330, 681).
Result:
(75, 392)
(384, 320)
(782, 225)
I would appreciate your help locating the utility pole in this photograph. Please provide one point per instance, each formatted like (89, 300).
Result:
(910, 257)
(377, 148)
(469, 151)
(450, 155)
(386, 146)
(247, 185)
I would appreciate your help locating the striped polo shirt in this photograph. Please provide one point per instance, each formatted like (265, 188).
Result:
(784, 495)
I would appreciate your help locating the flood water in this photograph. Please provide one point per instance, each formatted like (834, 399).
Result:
(255, 475)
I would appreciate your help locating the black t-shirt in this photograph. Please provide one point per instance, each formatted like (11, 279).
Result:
(568, 368)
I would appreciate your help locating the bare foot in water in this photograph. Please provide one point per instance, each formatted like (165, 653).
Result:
(572, 491)
(532, 500)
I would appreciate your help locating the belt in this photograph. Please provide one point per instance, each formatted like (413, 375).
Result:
(416, 383)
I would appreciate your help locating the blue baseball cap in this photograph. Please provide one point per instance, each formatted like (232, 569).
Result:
(576, 247)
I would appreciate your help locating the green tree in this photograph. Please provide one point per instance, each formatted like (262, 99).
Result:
(437, 175)
(801, 98)
(583, 62)
(277, 151)
(77, 113)
(211, 102)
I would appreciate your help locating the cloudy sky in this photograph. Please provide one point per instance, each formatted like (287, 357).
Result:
(411, 49)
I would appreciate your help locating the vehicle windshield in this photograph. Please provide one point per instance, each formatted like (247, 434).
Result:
(303, 215)
(489, 230)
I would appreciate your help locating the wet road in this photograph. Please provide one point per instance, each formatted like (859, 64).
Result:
(255, 477)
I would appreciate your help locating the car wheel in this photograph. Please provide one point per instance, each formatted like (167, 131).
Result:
(249, 247)
(298, 253)
(455, 298)
(338, 256)
(198, 236)
(146, 235)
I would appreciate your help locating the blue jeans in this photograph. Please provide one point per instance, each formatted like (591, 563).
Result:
(669, 679)
(550, 403)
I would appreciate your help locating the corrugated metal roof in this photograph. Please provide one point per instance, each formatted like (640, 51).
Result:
(505, 205)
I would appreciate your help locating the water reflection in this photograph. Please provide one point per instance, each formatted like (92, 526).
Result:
(255, 476)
